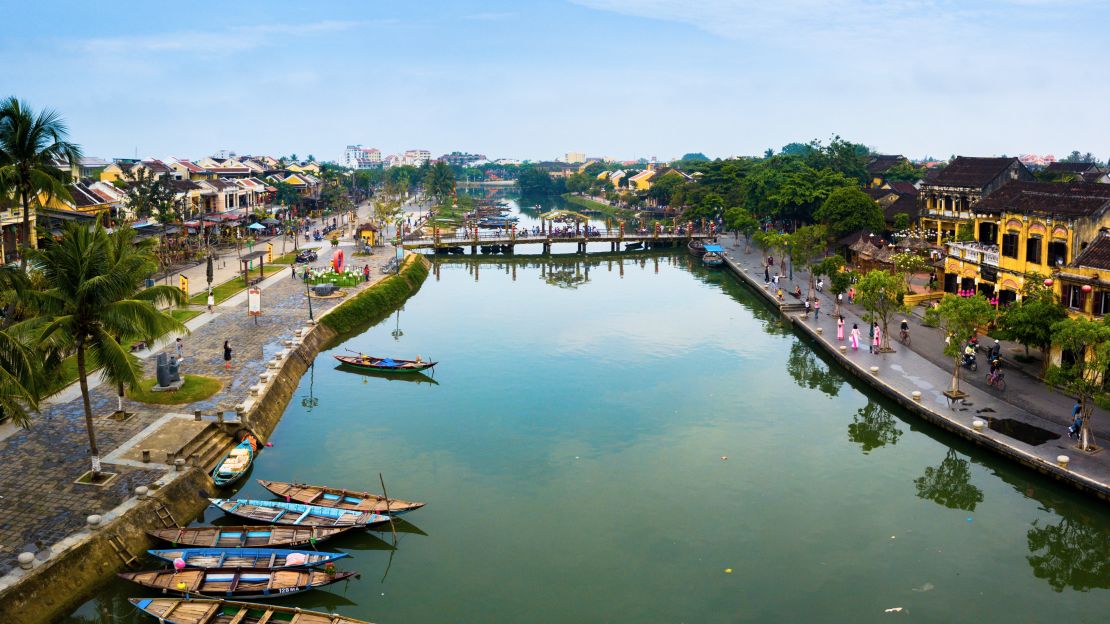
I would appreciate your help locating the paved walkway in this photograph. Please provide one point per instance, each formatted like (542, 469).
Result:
(924, 368)
(39, 502)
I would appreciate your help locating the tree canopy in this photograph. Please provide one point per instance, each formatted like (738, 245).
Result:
(850, 210)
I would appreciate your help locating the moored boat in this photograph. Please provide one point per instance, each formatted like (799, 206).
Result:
(247, 536)
(714, 255)
(385, 365)
(339, 498)
(236, 582)
(236, 463)
(247, 557)
(208, 611)
(298, 514)
(696, 247)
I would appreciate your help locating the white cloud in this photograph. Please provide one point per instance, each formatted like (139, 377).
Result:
(490, 16)
(210, 43)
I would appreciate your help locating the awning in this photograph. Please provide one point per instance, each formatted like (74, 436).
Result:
(271, 221)
(256, 226)
(714, 248)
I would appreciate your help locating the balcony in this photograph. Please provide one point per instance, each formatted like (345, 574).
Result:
(977, 253)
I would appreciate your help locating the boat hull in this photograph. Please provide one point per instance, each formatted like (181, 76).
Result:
(338, 498)
(297, 514)
(235, 582)
(269, 558)
(224, 476)
(247, 536)
(204, 610)
(372, 364)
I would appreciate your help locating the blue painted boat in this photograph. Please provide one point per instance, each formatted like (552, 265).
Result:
(208, 611)
(277, 512)
(714, 255)
(236, 463)
(247, 557)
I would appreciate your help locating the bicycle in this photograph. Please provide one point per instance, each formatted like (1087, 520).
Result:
(997, 380)
(904, 337)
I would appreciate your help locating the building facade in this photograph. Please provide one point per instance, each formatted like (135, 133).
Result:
(949, 196)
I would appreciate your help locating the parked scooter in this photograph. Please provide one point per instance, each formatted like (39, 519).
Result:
(969, 362)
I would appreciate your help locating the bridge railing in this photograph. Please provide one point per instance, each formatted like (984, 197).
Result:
(530, 236)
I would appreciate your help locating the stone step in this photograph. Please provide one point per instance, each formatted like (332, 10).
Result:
(198, 441)
(217, 447)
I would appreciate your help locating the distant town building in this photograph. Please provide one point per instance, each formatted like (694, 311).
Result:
(358, 157)
(574, 158)
(1036, 160)
(416, 158)
(462, 159)
(223, 154)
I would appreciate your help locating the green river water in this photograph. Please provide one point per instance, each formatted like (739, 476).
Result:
(572, 454)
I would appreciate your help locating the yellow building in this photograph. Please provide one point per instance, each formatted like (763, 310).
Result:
(949, 196)
(616, 177)
(641, 181)
(1026, 228)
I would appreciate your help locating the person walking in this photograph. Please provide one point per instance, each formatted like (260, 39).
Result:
(816, 308)
(840, 328)
(227, 355)
(871, 338)
(807, 309)
(292, 271)
(766, 275)
(878, 340)
(854, 338)
(211, 301)
(852, 294)
(180, 344)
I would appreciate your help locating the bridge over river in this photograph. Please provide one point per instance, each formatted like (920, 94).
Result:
(505, 241)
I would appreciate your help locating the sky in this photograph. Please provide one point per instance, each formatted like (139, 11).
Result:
(534, 79)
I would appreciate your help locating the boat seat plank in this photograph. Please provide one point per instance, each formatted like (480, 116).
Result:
(303, 516)
(265, 616)
(273, 557)
(239, 617)
(234, 581)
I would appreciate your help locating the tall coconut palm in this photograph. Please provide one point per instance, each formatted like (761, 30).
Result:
(93, 298)
(32, 145)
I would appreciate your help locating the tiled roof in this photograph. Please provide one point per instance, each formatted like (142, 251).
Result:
(1096, 255)
(1070, 167)
(880, 163)
(969, 172)
(904, 204)
(903, 188)
(227, 170)
(1073, 199)
(183, 186)
(83, 196)
(156, 166)
(191, 166)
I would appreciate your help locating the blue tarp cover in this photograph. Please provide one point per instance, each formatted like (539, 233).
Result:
(714, 248)
(387, 362)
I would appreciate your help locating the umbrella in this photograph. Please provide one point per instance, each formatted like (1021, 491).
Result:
(257, 226)
(270, 221)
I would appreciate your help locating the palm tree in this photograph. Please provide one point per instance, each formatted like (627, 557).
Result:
(92, 299)
(21, 379)
(31, 147)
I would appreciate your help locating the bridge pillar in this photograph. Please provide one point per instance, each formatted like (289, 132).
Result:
(473, 250)
(547, 248)
(510, 249)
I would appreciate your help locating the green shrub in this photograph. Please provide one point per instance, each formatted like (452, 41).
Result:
(931, 317)
(379, 300)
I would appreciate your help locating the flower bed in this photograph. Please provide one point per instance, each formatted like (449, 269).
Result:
(344, 279)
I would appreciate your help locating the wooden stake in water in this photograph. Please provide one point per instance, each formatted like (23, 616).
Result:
(385, 493)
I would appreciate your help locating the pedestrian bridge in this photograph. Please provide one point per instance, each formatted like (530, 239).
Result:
(502, 241)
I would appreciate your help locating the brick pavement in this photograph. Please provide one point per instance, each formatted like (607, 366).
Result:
(39, 501)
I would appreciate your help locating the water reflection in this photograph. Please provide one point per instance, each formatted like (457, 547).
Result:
(873, 427)
(566, 277)
(1071, 553)
(949, 484)
(809, 372)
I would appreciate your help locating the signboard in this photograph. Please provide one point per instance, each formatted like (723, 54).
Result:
(254, 302)
(183, 284)
(400, 253)
(269, 252)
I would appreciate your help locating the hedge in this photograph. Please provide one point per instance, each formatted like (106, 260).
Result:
(379, 300)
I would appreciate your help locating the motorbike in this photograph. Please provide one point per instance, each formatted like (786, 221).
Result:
(970, 363)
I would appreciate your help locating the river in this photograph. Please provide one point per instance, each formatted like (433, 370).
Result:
(640, 439)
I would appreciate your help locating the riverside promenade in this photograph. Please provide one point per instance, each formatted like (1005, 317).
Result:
(1025, 407)
(40, 503)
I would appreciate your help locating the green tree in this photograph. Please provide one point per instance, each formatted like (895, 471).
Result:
(774, 241)
(901, 222)
(904, 171)
(850, 210)
(807, 248)
(910, 264)
(150, 196)
(21, 378)
(839, 279)
(881, 293)
(535, 182)
(578, 183)
(1085, 376)
(31, 147)
(949, 484)
(959, 319)
(439, 183)
(92, 297)
(965, 233)
(873, 427)
(740, 220)
(1029, 322)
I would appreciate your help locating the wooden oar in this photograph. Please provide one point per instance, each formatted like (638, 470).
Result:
(385, 493)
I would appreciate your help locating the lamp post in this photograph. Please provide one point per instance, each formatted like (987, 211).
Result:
(308, 294)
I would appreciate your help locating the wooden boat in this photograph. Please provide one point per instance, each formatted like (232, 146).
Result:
(236, 582)
(417, 377)
(247, 536)
(384, 365)
(338, 498)
(297, 514)
(696, 247)
(206, 611)
(236, 463)
(714, 255)
(247, 557)
(631, 246)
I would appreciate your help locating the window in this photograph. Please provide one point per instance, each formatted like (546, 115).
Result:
(1101, 303)
(1073, 296)
(1033, 250)
(1010, 245)
(1057, 253)
(988, 233)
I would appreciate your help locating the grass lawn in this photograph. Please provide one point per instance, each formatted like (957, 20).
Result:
(184, 316)
(196, 388)
(288, 258)
(590, 204)
(225, 291)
